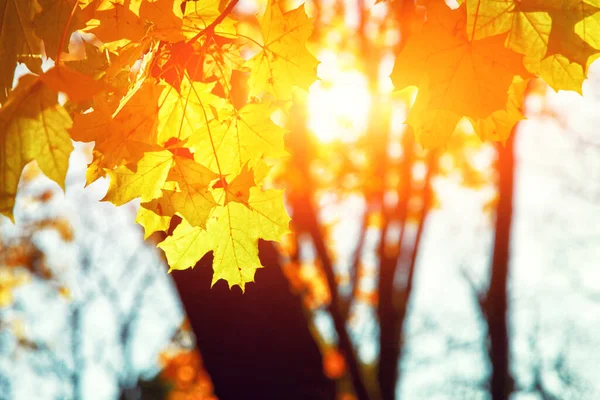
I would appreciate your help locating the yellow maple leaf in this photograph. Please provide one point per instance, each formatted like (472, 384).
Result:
(33, 126)
(238, 137)
(432, 127)
(183, 112)
(144, 179)
(232, 234)
(114, 22)
(284, 60)
(166, 18)
(127, 56)
(588, 28)
(558, 71)
(17, 41)
(124, 134)
(239, 188)
(219, 63)
(153, 218)
(95, 170)
(470, 78)
(192, 198)
(557, 36)
(200, 14)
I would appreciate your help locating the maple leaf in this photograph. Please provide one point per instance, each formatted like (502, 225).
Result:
(114, 22)
(284, 60)
(465, 77)
(499, 125)
(74, 84)
(556, 35)
(153, 218)
(127, 56)
(17, 41)
(181, 111)
(144, 179)
(432, 127)
(200, 14)
(192, 199)
(558, 72)
(220, 62)
(51, 23)
(93, 63)
(232, 234)
(124, 134)
(588, 28)
(166, 17)
(95, 170)
(239, 188)
(33, 126)
(238, 137)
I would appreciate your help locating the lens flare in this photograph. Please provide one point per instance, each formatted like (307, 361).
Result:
(338, 103)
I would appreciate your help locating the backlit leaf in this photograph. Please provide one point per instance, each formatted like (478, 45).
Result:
(557, 36)
(284, 60)
(33, 126)
(144, 179)
(232, 234)
(470, 78)
(17, 41)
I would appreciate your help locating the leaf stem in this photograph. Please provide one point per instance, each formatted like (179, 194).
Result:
(64, 34)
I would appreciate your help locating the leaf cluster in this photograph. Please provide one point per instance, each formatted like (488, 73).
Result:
(475, 61)
(158, 86)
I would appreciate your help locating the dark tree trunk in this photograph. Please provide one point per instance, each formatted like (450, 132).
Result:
(496, 299)
(255, 345)
(393, 305)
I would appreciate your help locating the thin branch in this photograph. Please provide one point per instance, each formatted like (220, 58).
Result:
(355, 267)
(393, 316)
(64, 34)
(210, 29)
(306, 220)
(478, 293)
(311, 224)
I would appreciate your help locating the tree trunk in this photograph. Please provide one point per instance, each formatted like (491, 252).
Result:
(254, 345)
(496, 299)
(392, 316)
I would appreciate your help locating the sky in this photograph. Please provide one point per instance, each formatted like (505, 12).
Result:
(123, 308)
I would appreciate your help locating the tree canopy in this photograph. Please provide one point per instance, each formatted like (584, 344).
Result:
(179, 96)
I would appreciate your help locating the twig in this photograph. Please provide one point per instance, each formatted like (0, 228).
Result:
(211, 28)
(355, 267)
(393, 316)
(311, 225)
(64, 34)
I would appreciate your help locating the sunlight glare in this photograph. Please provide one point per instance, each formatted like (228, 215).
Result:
(339, 103)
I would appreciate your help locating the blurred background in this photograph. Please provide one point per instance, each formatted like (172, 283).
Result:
(468, 272)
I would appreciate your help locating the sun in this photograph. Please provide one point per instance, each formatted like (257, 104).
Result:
(338, 103)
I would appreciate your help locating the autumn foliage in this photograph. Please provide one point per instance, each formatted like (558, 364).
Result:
(178, 96)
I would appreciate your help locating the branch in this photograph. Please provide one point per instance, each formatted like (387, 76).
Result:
(305, 219)
(311, 225)
(210, 29)
(64, 34)
(393, 315)
(478, 294)
(501, 382)
(355, 268)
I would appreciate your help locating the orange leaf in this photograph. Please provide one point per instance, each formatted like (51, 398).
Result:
(77, 86)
